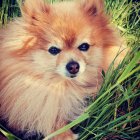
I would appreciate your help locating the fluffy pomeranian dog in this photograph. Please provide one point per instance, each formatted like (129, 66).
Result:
(50, 61)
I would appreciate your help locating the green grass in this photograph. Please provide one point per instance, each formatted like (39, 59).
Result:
(115, 113)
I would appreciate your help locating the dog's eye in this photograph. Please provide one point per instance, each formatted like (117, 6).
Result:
(84, 47)
(54, 51)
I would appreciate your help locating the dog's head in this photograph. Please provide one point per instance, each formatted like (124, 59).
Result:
(66, 39)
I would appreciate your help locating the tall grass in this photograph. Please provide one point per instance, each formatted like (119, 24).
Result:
(8, 10)
(115, 113)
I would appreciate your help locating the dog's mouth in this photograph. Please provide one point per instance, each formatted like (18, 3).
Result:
(73, 76)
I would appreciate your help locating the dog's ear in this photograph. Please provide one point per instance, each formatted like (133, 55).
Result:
(92, 7)
(29, 8)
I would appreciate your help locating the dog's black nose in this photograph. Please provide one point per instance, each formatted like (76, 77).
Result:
(73, 67)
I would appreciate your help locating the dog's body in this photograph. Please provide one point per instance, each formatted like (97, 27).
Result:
(50, 60)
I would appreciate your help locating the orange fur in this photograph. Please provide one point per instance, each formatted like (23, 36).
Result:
(33, 93)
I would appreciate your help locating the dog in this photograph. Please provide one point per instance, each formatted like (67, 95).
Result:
(50, 61)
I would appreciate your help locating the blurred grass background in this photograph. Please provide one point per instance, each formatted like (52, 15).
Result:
(115, 113)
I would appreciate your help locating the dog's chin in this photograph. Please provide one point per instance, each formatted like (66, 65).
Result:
(72, 76)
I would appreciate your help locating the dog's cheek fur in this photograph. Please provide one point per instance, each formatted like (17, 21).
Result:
(105, 37)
